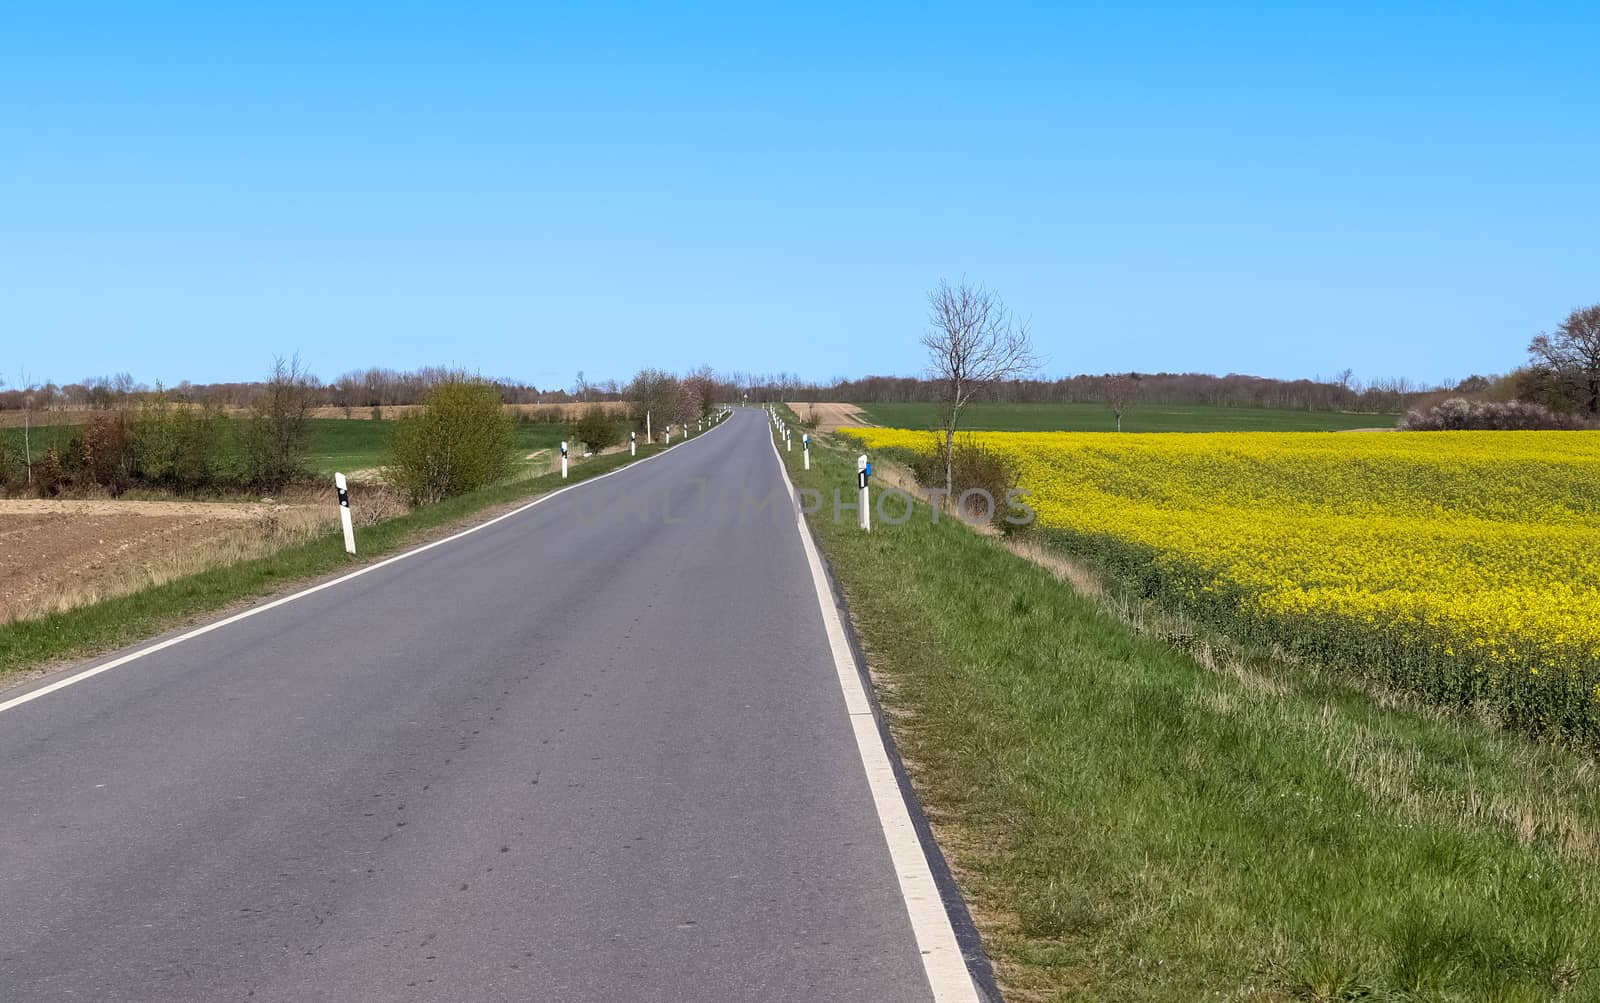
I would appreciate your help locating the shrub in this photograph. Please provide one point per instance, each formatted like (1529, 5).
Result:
(1458, 414)
(13, 473)
(461, 441)
(596, 429)
(181, 448)
(50, 474)
(974, 465)
(105, 451)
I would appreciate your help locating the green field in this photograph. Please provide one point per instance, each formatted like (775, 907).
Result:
(337, 444)
(39, 439)
(1156, 813)
(1144, 418)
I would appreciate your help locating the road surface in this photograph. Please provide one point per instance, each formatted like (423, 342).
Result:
(595, 751)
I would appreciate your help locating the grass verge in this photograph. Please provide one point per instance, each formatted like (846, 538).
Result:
(1133, 818)
(115, 622)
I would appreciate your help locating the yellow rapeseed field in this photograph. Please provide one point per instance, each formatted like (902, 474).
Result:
(1462, 564)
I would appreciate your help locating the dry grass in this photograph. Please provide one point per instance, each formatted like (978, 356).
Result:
(41, 419)
(1074, 573)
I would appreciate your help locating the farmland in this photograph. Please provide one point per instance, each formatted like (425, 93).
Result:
(244, 569)
(337, 444)
(1079, 417)
(1461, 567)
(59, 554)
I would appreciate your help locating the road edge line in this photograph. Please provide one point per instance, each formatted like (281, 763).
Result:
(943, 962)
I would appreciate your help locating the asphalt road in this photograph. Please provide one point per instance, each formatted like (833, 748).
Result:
(597, 751)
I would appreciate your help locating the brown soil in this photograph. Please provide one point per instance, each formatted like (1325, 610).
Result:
(57, 555)
(830, 417)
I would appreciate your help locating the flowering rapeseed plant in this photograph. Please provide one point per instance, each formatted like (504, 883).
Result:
(1464, 565)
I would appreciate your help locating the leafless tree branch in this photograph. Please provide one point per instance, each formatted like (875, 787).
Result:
(973, 342)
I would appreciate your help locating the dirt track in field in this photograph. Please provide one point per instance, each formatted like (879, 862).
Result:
(830, 416)
(57, 555)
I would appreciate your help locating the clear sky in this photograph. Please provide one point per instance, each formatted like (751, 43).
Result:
(187, 189)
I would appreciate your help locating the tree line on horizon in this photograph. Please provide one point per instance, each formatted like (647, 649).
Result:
(1562, 373)
(379, 387)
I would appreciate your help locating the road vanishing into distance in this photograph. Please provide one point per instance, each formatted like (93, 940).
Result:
(597, 750)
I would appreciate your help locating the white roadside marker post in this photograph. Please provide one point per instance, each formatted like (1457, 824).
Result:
(788, 440)
(633, 443)
(563, 460)
(805, 447)
(343, 488)
(863, 472)
(647, 436)
(668, 440)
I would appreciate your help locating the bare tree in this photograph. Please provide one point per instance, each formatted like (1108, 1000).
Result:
(973, 342)
(279, 431)
(1572, 356)
(1121, 394)
(28, 388)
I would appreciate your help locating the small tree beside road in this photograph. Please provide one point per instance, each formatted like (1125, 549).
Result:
(973, 342)
(461, 441)
(655, 397)
(597, 429)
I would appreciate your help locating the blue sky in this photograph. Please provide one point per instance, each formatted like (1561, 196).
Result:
(529, 190)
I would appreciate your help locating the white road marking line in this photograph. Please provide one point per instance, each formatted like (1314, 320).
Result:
(942, 960)
(134, 656)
